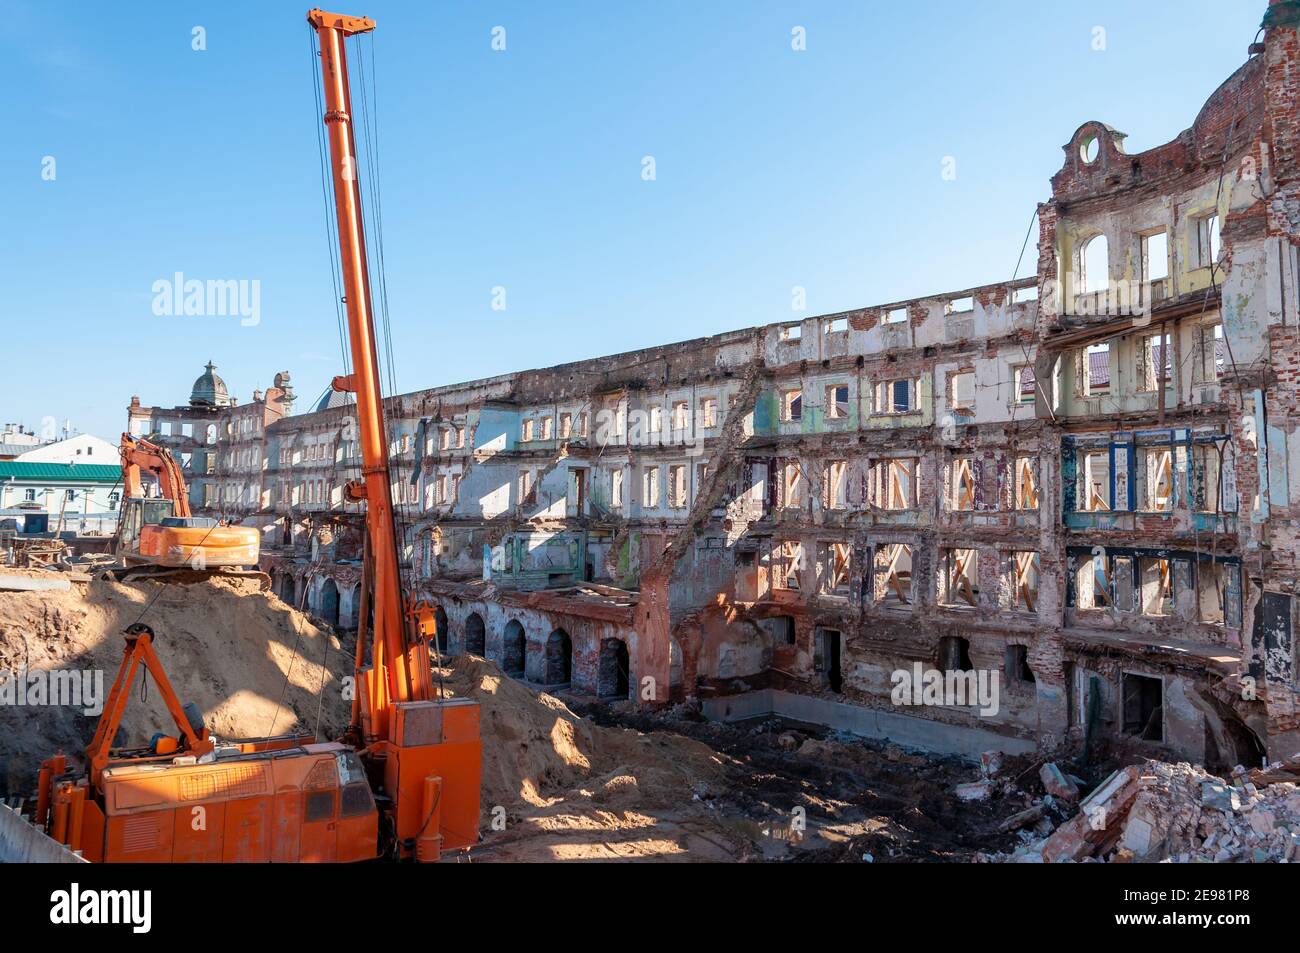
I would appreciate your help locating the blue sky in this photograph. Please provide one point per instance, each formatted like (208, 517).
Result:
(523, 169)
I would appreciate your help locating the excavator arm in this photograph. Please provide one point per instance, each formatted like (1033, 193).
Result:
(139, 455)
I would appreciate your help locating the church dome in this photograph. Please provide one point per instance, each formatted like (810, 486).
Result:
(210, 390)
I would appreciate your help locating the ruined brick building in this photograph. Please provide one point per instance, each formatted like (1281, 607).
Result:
(1081, 480)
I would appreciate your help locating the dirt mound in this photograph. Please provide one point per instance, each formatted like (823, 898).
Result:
(254, 665)
(537, 752)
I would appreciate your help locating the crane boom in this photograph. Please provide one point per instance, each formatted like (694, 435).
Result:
(400, 670)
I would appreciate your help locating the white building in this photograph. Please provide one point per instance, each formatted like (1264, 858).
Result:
(83, 448)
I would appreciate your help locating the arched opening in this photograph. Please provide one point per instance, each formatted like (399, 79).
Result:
(612, 672)
(1094, 265)
(354, 607)
(475, 635)
(440, 629)
(559, 658)
(329, 602)
(512, 649)
(288, 591)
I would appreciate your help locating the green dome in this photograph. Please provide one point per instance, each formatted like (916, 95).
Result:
(210, 390)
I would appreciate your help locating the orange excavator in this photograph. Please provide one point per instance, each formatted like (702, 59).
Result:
(403, 781)
(160, 531)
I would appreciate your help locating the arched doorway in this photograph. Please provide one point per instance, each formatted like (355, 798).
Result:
(475, 635)
(612, 672)
(440, 629)
(512, 649)
(288, 592)
(329, 602)
(559, 658)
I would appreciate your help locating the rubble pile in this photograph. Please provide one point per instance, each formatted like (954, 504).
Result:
(1179, 813)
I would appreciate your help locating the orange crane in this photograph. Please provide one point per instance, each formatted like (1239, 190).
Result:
(161, 532)
(403, 783)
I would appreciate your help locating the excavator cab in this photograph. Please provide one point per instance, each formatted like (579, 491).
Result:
(138, 513)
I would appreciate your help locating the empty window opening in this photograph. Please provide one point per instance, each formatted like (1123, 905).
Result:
(1025, 383)
(1026, 483)
(1208, 465)
(1211, 354)
(792, 484)
(1017, 665)
(656, 419)
(961, 391)
(836, 325)
(1022, 295)
(1157, 583)
(1211, 594)
(954, 654)
(612, 676)
(1094, 265)
(1156, 362)
(1208, 248)
(1094, 370)
(546, 428)
(894, 397)
(677, 486)
(513, 649)
(896, 316)
(1025, 567)
(559, 658)
(709, 412)
(791, 332)
(893, 483)
(475, 635)
(441, 630)
(963, 484)
(529, 428)
(836, 559)
(651, 496)
(566, 426)
(681, 415)
(792, 405)
(1155, 256)
(1094, 479)
(789, 559)
(1092, 588)
(616, 488)
(837, 401)
(959, 305)
(960, 577)
(893, 564)
(831, 659)
(835, 485)
(780, 627)
(525, 485)
(1156, 470)
(1143, 707)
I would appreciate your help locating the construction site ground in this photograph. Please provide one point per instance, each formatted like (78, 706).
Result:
(582, 780)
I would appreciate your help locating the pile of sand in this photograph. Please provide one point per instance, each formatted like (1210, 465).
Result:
(254, 665)
(537, 752)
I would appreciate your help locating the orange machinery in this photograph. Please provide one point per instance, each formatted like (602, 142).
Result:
(286, 798)
(161, 531)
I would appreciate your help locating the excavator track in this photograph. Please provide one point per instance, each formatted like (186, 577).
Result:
(184, 575)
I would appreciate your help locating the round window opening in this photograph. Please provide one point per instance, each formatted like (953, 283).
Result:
(1089, 148)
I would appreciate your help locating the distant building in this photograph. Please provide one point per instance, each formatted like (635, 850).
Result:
(15, 439)
(83, 448)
